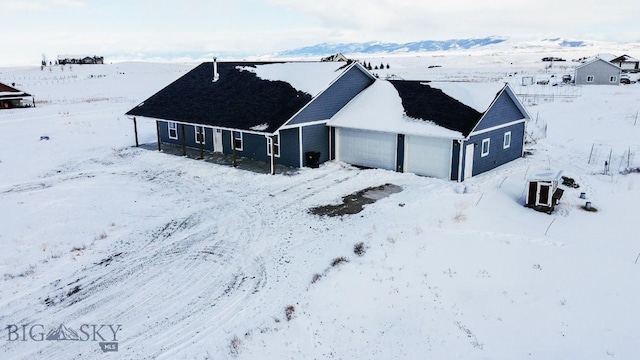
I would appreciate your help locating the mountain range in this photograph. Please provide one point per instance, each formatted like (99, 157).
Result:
(374, 47)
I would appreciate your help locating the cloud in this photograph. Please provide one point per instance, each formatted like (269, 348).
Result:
(406, 20)
(12, 6)
(78, 4)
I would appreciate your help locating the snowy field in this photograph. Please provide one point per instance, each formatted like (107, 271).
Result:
(190, 260)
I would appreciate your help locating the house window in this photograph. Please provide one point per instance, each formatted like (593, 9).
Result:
(613, 79)
(485, 147)
(173, 130)
(507, 140)
(199, 134)
(590, 78)
(276, 145)
(237, 140)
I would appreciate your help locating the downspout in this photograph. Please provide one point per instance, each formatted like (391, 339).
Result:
(460, 158)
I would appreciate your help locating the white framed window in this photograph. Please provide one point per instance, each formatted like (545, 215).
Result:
(237, 140)
(276, 145)
(507, 140)
(199, 131)
(173, 130)
(485, 147)
(613, 79)
(590, 78)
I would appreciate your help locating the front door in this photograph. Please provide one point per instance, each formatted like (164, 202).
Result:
(468, 161)
(217, 140)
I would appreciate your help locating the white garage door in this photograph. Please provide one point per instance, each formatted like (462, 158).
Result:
(366, 148)
(428, 156)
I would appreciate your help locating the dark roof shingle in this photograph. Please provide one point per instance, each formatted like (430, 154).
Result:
(238, 100)
(421, 101)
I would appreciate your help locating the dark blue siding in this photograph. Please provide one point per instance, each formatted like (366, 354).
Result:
(253, 146)
(503, 111)
(335, 97)
(455, 160)
(289, 148)
(189, 136)
(316, 138)
(497, 155)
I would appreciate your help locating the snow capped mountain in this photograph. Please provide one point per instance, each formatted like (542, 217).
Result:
(373, 47)
(565, 43)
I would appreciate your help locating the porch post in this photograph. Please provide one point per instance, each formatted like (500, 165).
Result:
(202, 142)
(135, 131)
(233, 147)
(158, 133)
(184, 141)
(273, 157)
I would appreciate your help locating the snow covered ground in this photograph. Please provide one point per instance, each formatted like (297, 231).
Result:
(194, 260)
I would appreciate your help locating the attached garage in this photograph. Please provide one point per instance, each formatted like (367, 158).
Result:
(366, 148)
(428, 156)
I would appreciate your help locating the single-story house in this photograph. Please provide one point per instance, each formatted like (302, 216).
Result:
(626, 62)
(448, 130)
(11, 97)
(284, 112)
(597, 72)
(268, 111)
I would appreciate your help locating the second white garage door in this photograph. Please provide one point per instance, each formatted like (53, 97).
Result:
(366, 148)
(428, 156)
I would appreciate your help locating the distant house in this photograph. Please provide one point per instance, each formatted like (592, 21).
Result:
(626, 62)
(10, 97)
(441, 129)
(335, 57)
(597, 72)
(273, 112)
(79, 59)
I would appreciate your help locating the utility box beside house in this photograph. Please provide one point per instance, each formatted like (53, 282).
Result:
(543, 193)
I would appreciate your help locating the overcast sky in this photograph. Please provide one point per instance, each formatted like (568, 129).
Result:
(53, 27)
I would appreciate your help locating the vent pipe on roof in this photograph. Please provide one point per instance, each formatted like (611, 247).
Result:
(216, 76)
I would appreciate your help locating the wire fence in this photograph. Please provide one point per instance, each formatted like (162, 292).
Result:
(615, 159)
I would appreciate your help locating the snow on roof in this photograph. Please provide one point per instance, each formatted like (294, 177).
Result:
(260, 127)
(478, 96)
(379, 108)
(545, 175)
(605, 56)
(309, 77)
(626, 58)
